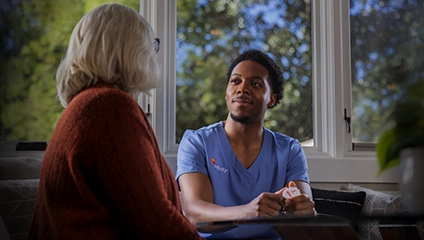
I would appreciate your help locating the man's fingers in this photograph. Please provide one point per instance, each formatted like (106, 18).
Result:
(274, 196)
(299, 203)
(271, 203)
(299, 199)
(280, 191)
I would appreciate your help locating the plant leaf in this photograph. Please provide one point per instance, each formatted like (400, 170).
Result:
(387, 153)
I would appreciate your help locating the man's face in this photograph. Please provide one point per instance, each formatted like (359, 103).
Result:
(248, 92)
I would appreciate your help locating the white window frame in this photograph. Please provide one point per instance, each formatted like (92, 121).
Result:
(331, 159)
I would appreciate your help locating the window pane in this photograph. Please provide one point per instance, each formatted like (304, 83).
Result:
(387, 53)
(211, 34)
(34, 36)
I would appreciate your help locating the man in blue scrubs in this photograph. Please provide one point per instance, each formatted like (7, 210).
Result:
(237, 169)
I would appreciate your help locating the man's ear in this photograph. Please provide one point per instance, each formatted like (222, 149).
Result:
(272, 100)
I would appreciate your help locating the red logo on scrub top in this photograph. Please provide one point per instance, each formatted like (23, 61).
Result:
(213, 160)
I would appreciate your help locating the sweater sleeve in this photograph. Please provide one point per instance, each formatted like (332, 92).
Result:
(133, 171)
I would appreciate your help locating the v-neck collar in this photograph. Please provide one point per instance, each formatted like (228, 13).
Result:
(234, 161)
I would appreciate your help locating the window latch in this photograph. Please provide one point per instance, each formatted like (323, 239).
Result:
(347, 119)
(148, 110)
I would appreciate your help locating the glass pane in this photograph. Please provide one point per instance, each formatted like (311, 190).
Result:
(34, 36)
(211, 34)
(387, 53)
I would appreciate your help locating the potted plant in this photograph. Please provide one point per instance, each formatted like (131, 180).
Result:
(403, 143)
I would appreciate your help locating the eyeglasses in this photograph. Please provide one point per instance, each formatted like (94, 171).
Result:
(156, 44)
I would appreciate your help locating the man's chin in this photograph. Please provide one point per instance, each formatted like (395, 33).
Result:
(240, 119)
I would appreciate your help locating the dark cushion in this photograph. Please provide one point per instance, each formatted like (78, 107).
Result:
(19, 168)
(4, 234)
(17, 203)
(339, 203)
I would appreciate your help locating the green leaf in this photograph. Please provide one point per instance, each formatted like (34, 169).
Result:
(387, 153)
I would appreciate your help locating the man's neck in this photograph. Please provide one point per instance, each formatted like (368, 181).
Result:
(243, 134)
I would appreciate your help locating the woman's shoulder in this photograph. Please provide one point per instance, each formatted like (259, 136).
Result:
(103, 95)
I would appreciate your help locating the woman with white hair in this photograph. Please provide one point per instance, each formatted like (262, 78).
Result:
(103, 176)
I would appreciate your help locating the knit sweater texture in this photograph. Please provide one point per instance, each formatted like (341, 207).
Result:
(103, 176)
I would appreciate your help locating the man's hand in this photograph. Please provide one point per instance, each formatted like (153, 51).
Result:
(265, 205)
(300, 205)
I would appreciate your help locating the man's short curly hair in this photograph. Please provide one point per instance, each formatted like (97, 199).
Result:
(275, 73)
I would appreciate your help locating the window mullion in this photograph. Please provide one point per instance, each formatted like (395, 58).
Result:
(161, 14)
(331, 72)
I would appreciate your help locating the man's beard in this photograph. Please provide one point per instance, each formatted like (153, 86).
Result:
(242, 119)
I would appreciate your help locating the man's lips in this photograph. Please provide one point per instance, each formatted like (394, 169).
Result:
(242, 100)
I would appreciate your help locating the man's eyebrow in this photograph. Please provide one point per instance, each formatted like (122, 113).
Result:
(257, 77)
(239, 75)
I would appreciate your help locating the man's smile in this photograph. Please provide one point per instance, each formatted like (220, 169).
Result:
(242, 101)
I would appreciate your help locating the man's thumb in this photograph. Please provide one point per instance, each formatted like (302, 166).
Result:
(292, 184)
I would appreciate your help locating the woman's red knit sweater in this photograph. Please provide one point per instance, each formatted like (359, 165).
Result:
(103, 176)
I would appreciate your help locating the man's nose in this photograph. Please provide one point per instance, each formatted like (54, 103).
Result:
(243, 88)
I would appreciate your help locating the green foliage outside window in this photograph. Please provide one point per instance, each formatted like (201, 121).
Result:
(211, 34)
(34, 37)
(386, 40)
(387, 49)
